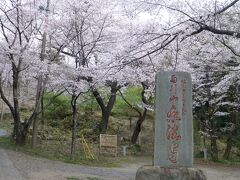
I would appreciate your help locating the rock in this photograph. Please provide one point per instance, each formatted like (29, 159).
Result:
(169, 173)
(3, 132)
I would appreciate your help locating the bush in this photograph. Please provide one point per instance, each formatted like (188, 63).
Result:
(135, 149)
(51, 133)
(58, 110)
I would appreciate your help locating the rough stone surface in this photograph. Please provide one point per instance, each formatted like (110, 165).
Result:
(173, 144)
(169, 173)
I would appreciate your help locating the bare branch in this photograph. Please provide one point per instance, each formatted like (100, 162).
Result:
(7, 16)
(229, 47)
(4, 97)
(171, 8)
(152, 62)
(3, 31)
(98, 38)
(129, 104)
(222, 32)
(163, 45)
(225, 8)
(214, 31)
(176, 55)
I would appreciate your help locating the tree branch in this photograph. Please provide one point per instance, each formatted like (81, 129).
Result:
(98, 98)
(4, 97)
(163, 45)
(229, 47)
(225, 8)
(129, 104)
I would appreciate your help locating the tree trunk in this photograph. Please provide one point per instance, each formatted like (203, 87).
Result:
(138, 127)
(104, 122)
(228, 148)
(74, 125)
(21, 138)
(20, 130)
(214, 149)
(106, 110)
(20, 134)
(2, 106)
(34, 133)
(42, 108)
(40, 87)
(142, 115)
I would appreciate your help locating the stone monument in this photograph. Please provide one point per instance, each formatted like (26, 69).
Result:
(173, 144)
(173, 141)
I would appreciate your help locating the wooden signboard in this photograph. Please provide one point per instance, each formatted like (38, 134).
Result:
(108, 144)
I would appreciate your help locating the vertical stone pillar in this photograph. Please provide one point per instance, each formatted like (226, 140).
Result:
(173, 143)
(173, 146)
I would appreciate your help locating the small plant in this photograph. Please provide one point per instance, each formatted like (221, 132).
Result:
(72, 178)
(93, 178)
(135, 149)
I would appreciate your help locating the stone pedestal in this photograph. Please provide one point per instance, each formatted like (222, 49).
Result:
(169, 173)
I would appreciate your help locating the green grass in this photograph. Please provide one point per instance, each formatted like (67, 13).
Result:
(5, 142)
(57, 151)
(231, 162)
(6, 122)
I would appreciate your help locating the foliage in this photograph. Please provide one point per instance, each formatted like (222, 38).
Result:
(58, 111)
(134, 96)
(135, 149)
(6, 122)
(52, 133)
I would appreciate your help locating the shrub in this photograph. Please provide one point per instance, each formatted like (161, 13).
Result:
(58, 110)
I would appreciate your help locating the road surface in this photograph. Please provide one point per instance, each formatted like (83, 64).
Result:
(19, 166)
(7, 168)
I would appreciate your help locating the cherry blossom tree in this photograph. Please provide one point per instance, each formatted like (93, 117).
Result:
(90, 29)
(193, 35)
(18, 31)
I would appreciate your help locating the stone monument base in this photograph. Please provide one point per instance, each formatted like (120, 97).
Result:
(169, 173)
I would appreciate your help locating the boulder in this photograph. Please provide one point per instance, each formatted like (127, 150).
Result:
(169, 173)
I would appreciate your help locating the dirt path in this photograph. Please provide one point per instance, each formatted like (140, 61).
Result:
(33, 168)
(7, 168)
(221, 173)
